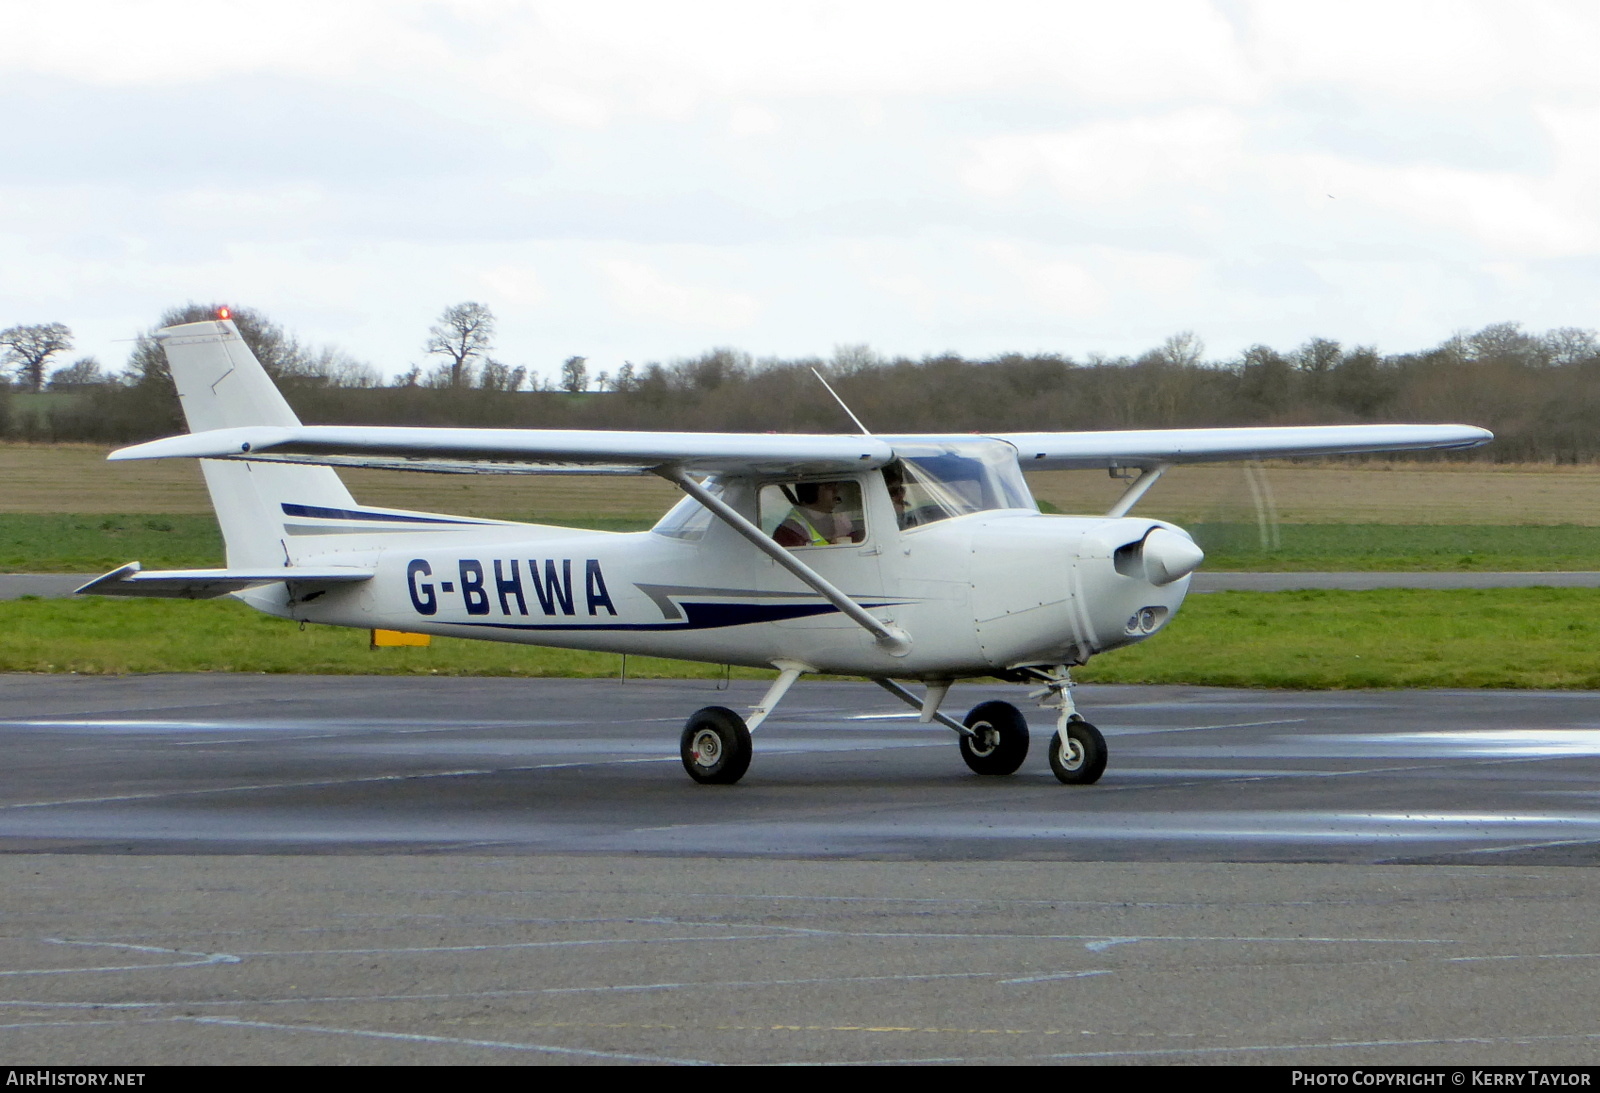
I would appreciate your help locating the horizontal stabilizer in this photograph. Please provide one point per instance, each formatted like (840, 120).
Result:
(207, 584)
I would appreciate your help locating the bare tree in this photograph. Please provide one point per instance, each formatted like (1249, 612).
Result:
(336, 368)
(575, 375)
(28, 348)
(463, 333)
(279, 353)
(1570, 344)
(83, 372)
(1183, 349)
(500, 376)
(1266, 378)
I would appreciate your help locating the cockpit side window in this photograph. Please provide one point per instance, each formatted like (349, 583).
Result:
(808, 514)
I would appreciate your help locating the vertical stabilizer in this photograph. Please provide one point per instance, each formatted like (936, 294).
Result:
(221, 385)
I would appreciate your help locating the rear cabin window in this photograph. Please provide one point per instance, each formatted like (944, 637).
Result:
(688, 519)
(808, 514)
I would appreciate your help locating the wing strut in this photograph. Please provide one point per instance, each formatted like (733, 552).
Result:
(891, 639)
(1137, 488)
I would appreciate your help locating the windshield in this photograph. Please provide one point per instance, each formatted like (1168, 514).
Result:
(932, 482)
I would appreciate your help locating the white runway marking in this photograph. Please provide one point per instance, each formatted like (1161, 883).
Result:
(444, 996)
(320, 782)
(1057, 975)
(419, 1038)
(201, 959)
(1137, 1053)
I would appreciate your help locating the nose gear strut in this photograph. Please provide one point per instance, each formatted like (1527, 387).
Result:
(1077, 750)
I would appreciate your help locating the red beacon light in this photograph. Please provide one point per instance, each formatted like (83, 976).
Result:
(224, 313)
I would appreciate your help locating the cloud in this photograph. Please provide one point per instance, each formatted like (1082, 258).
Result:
(1114, 161)
(641, 290)
(645, 180)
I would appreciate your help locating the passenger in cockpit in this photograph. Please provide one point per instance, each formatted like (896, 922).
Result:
(820, 516)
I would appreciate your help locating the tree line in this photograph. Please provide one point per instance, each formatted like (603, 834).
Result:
(1539, 392)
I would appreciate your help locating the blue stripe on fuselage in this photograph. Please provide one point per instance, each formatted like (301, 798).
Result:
(697, 616)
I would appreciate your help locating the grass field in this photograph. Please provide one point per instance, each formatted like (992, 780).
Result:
(1516, 638)
(75, 478)
(1344, 516)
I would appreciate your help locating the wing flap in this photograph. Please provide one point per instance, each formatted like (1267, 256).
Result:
(208, 584)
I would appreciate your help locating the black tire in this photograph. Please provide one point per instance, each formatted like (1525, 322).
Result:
(715, 746)
(1001, 743)
(1083, 761)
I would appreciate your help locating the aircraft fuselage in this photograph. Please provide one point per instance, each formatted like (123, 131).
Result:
(977, 594)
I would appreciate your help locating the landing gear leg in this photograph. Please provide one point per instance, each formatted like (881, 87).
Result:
(994, 737)
(1077, 750)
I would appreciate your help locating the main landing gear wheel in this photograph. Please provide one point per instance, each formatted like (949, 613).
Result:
(1083, 760)
(999, 742)
(715, 746)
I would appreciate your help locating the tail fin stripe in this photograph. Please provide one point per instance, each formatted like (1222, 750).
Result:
(358, 514)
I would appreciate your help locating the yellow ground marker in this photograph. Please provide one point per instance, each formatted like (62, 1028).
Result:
(393, 639)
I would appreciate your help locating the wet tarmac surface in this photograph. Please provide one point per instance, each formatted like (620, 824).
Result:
(413, 959)
(258, 869)
(265, 764)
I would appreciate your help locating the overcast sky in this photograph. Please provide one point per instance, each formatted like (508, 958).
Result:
(645, 181)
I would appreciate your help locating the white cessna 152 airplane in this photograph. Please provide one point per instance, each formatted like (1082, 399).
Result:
(898, 558)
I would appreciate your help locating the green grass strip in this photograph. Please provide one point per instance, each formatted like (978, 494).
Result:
(1503, 638)
(55, 543)
(102, 635)
(31, 543)
(1496, 637)
(1399, 547)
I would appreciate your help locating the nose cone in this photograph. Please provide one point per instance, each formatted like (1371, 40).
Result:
(1169, 556)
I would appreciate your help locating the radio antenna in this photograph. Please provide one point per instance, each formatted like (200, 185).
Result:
(842, 405)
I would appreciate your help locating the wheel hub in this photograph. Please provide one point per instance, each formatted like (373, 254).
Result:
(985, 738)
(707, 748)
(1071, 754)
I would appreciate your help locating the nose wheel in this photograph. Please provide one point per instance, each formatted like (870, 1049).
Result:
(1078, 756)
(715, 746)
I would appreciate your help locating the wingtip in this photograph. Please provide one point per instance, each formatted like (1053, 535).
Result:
(104, 579)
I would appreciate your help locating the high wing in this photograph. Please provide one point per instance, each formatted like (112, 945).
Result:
(570, 451)
(1153, 447)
